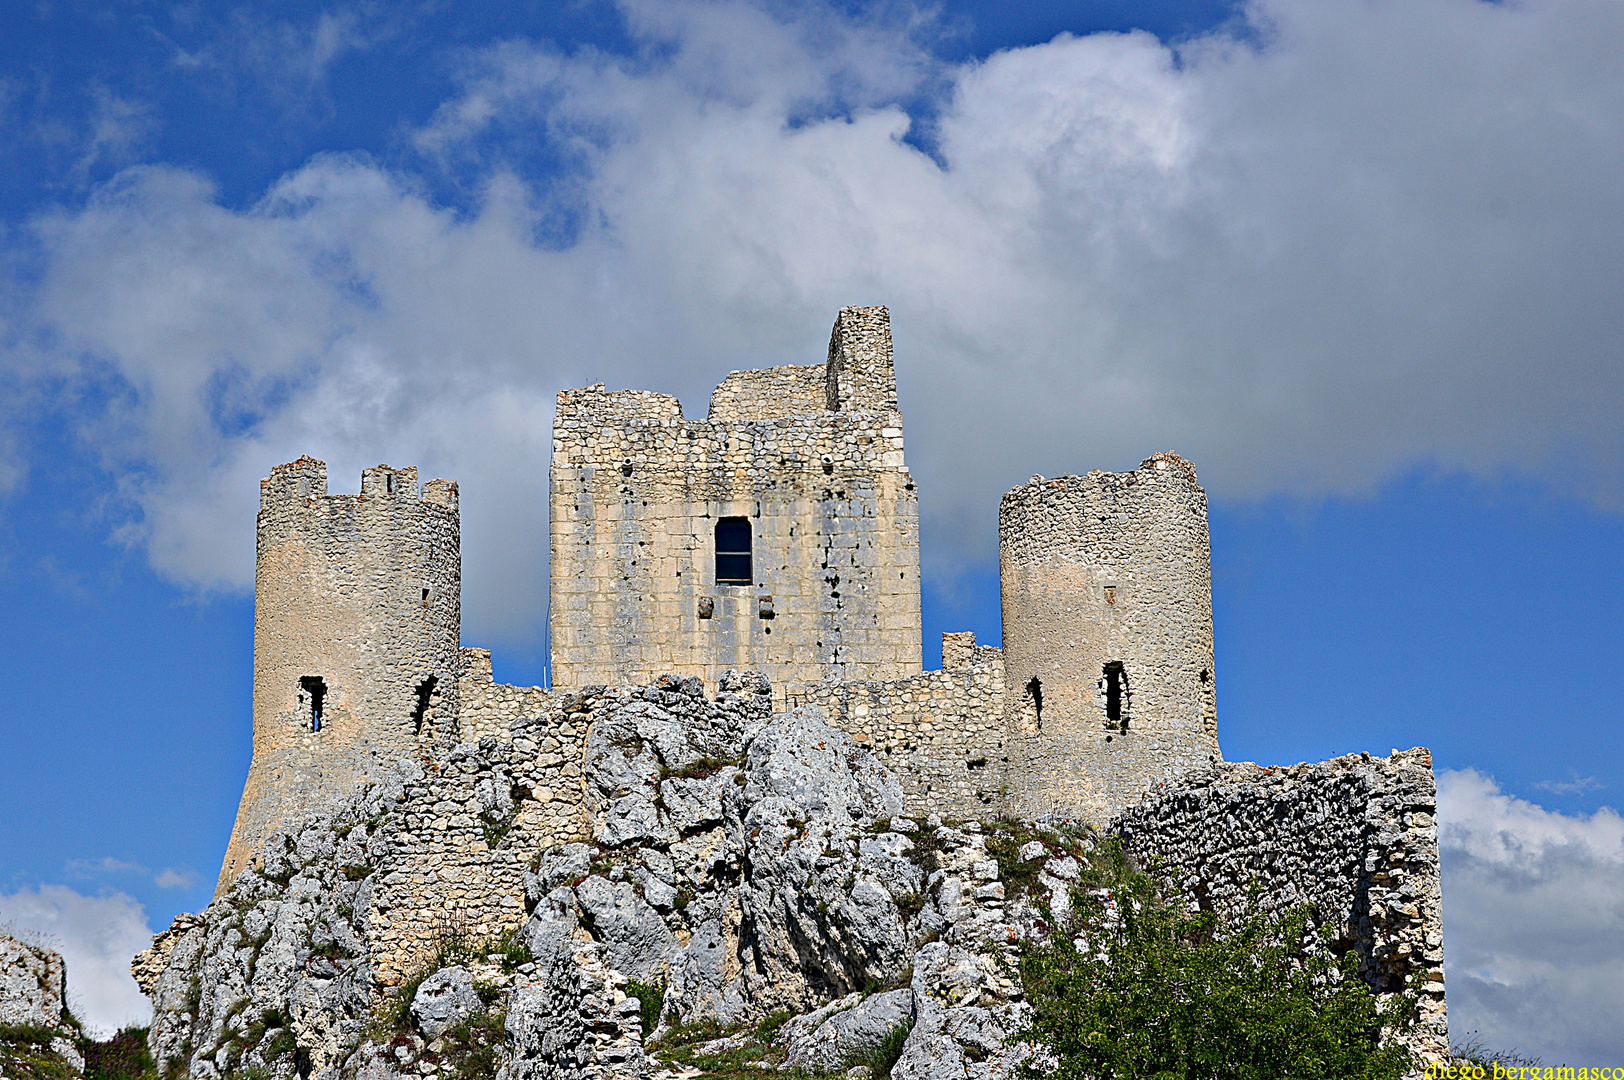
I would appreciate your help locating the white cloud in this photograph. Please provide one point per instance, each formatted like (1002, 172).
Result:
(84, 868)
(1364, 236)
(97, 937)
(1533, 922)
(172, 878)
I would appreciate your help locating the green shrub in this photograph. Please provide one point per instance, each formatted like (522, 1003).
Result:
(653, 1001)
(1160, 991)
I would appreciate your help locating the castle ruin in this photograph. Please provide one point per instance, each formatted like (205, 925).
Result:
(781, 535)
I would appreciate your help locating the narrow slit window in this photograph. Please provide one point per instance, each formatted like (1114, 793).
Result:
(1116, 695)
(426, 700)
(733, 551)
(313, 695)
(1034, 694)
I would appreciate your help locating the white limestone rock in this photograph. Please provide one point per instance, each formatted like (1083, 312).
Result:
(32, 982)
(826, 1039)
(444, 1000)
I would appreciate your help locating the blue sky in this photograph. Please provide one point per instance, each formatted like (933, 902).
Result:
(1359, 261)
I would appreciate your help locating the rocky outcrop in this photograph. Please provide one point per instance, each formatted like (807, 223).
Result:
(33, 994)
(730, 868)
(33, 982)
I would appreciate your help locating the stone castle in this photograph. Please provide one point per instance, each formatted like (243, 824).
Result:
(781, 535)
(742, 785)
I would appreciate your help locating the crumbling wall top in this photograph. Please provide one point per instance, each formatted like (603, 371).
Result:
(306, 479)
(615, 406)
(771, 393)
(860, 375)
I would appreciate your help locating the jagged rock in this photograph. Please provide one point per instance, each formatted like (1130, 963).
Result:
(636, 940)
(826, 1039)
(64, 1049)
(32, 983)
(747, 862)
(444, 1000)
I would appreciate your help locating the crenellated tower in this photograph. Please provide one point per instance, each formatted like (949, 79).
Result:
(1108, 651)
(357, 621)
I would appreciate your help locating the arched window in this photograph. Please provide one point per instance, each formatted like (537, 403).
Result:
(733, 551)
(313, 695)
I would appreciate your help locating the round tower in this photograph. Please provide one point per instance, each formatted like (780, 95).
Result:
(1107, 608)
(357, 627)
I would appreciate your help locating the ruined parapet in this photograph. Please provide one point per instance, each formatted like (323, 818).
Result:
(779, 535)
(771, 393)
(941, 732)
(958, 650)
(1356, 837)
(489, 709)
(1107, 610)
(357, 616)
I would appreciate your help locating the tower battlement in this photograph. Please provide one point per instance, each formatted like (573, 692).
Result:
(357, 620)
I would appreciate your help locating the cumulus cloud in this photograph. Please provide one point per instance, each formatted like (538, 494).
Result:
(1307, 250)
(97, 936)
(1533, 922)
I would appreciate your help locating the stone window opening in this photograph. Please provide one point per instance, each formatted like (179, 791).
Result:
(426, 700)
(733, 543)
(1034, 699)
(1115, 684)
(389, 483)
(425, 597)
(313, 694)
(1205, 675)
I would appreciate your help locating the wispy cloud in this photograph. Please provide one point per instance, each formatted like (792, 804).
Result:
(118, 128)
(1533, 922)
(89, 868)
(97, 936)
(172, 878)
(1576, 786)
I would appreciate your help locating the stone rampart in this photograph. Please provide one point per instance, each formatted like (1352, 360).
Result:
(468, 823)
(1355, 836)
(491, 709)
(940, 732)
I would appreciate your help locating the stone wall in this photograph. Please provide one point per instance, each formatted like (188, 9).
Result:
(468, 824)
(637, 492)
(1107, 613)
(771, 393)
(362, 592)
(1356, 836)
(491, 709)
(940, 732)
